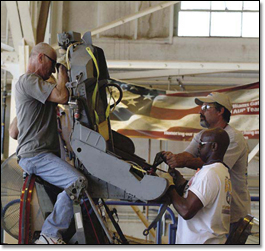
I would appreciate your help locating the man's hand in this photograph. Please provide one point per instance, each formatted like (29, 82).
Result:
(179, 181)
(61, 61)
(62, 74)
(177, 177)
(175, 160)
(180, 160)
(62, 69)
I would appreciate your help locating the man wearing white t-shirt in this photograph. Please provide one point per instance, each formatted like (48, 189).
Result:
(204, 210)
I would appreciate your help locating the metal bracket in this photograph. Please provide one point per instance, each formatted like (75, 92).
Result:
(76, 190)
(79, 226)
(71, 85)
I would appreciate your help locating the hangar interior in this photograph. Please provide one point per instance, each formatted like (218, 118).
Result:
(174, 46)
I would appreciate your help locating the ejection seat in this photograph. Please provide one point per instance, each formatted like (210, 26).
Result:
(106, 157)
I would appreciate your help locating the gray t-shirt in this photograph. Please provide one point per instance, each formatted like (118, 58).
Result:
(236, 158)
(37, 124)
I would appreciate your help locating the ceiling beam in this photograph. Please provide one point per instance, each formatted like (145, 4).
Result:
(198, 81)
(126, 19)
(34, 13)
(6, 47)
(162, 73)
(42, 22)
(126, 64)
(132, 17)
(14, 21)
(26, 24)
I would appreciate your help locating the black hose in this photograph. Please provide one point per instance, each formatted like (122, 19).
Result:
(120, 91)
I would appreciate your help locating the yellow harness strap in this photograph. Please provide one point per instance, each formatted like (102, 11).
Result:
(94, 96)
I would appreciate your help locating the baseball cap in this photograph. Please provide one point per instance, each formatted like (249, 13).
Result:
(218, 97)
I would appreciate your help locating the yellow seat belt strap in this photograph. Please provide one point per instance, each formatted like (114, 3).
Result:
(94, 95)
(96, 87)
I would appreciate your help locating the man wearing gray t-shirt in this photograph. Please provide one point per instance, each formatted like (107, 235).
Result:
(38, 148)
(215, 112)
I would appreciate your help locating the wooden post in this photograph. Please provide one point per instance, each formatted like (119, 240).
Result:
(42, 22)
(56, 20)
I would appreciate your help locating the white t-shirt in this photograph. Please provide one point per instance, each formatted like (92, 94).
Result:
(210, 225)
(236, 158)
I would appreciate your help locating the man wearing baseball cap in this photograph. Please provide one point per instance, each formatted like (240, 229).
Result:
(215, 112)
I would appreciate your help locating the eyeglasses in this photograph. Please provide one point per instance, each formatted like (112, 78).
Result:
(53, 61)
(206, 107)
(203, 143)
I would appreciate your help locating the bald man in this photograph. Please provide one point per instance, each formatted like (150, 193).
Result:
(204, 210)
(38, 148)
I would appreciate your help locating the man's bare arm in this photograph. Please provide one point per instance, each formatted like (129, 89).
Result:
(13, 130)
(60, 93)
(194, 163)
(186, 207)
(184, 159)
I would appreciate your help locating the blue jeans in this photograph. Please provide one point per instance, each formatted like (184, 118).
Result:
(61, 174)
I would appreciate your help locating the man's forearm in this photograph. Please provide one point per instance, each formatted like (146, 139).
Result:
(194, 163)
(179, 203)
(186, 207)
(183, 159)
(62, 80)
(62, 90)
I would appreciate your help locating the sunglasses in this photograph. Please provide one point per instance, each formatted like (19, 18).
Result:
(203, 143)
(53, 61)
(207, 107)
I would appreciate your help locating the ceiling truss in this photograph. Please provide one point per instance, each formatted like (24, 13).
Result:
(139, 72)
